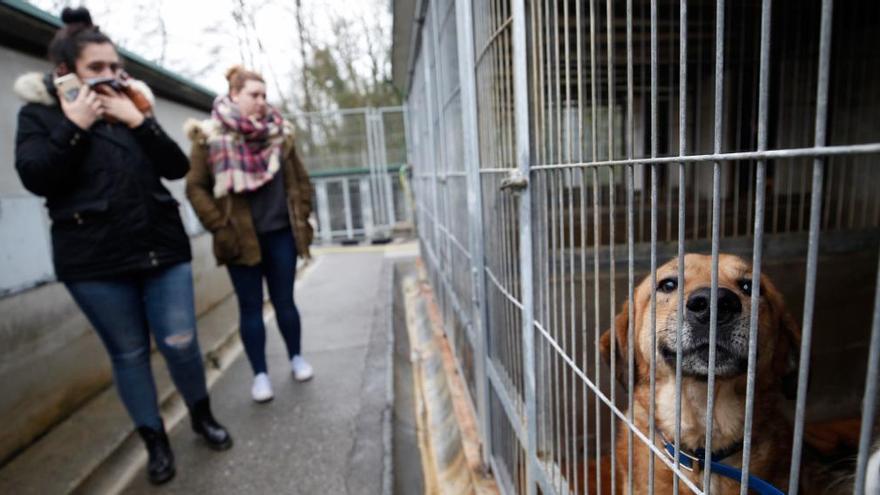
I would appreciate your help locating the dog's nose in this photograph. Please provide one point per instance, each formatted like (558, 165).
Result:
(729, 305)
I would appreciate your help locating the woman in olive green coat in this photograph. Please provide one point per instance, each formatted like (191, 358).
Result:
(249, 188)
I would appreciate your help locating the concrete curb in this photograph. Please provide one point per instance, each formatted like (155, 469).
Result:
(446, 424)
(388, 413)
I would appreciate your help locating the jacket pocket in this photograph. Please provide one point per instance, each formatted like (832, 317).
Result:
(81, 213)
(165, 198)
(226, 243)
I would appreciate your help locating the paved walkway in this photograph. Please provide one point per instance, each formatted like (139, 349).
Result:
(322, 436)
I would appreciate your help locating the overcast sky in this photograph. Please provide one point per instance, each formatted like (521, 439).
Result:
(196, 28)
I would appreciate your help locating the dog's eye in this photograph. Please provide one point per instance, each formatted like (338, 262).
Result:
(667, 285)
(746, 286)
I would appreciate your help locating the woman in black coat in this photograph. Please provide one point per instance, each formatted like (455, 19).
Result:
(118, 243)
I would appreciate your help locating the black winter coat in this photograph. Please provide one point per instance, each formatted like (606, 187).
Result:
(110, 213)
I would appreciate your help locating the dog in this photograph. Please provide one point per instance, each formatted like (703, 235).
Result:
(777, 349)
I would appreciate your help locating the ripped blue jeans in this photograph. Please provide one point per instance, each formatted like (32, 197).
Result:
(125, 310)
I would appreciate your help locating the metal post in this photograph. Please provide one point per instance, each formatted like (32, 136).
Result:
(467, 82)
(429, 115)
(813, 246)
(716, 234)
(757, 248)
(523, 161)
(383, 163)
(346, 203)
(366, 207)
(326, 230)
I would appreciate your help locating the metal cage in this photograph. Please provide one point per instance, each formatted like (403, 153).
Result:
(563, 150)
(354, 158)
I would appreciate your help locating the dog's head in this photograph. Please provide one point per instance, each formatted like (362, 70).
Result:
(778, 334)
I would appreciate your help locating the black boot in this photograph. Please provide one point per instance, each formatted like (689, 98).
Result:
(160, 466)
(204, 424)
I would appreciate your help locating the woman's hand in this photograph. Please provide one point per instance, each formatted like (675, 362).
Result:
(121, 108)
(84, 110)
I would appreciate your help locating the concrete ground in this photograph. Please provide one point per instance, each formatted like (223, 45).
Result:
(327, 435)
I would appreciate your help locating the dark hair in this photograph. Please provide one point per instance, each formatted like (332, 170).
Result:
(238, 76)
(77, 32)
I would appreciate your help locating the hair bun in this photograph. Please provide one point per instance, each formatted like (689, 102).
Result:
(79, 15)
(232, 71)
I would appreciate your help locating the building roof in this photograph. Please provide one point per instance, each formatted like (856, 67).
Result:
(408, 16)
(29, 29)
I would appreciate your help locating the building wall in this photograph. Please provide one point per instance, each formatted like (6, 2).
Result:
(51, 360)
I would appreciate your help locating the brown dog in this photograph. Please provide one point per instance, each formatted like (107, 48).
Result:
(778, 339)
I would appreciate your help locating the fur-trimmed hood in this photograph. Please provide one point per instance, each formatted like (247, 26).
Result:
(33, 87)
(199, 131)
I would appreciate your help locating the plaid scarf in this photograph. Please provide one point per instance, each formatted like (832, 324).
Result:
(246, 152)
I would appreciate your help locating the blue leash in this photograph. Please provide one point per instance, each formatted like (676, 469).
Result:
(699, 457)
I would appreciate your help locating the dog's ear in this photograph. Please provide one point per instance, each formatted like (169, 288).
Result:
(618, 336)
(786, 354)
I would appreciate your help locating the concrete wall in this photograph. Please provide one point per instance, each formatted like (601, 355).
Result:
(51, 361)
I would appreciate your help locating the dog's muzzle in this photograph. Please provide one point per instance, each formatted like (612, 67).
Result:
(698, 308)
(730, 341)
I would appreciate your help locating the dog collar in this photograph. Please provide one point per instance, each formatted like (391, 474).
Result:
(695, 461)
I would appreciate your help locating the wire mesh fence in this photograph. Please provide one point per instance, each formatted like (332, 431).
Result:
(653, 228)
(355, 158)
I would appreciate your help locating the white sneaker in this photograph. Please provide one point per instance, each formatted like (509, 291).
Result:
(261, 390)
(302, 370)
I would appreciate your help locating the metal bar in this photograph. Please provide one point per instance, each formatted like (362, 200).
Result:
(323, 211)
(630, 240)
(492, 38)
(375, 193)
(539, 126)
(346, 203)
(682, 149)
(584, 358)
(567, 63)
(813, 246)
(550, 119)
(471, 144)
(499, 284)
(345, 111)
(523, 161)
(609, 43)
(593, 136)
(558, 63)
(495, 88)
(505, 270)
(537, 86)
(763, 97)
(558, 304)
(580, 89)
(595, 193)
(738, 128)
(823, 151)
(383, 162)
(429, 116)
(541, 228)
(716, 234)
(572, 332)
(554, 297)
(668, 172)
(653, 310)
(507, 94)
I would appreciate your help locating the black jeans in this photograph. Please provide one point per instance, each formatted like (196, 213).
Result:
(278, 267)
